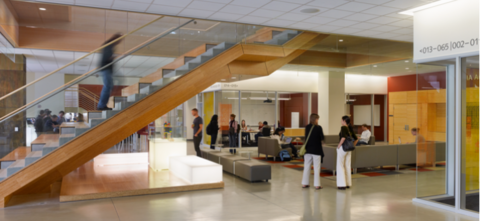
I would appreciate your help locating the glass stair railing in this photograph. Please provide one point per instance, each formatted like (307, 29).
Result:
(155, 45)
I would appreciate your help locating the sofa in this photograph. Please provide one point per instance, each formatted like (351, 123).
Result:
(334, 139)
(270, 147)
(380, 155)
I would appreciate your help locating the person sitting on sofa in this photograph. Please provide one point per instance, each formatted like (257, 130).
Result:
(366, 134)
(278, 134)
(418, 137)
(262, 131)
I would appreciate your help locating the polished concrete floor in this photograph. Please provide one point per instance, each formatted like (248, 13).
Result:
(282, 198)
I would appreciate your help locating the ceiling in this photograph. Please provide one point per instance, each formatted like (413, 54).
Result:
(46, 61)
(367, 18)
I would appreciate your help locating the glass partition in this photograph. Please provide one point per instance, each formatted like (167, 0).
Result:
(257, 107)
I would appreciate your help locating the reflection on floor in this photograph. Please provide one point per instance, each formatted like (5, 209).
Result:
(96, 182)
(281, 199)
(471, 201)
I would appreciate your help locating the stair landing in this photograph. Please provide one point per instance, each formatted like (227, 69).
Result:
(99, 182)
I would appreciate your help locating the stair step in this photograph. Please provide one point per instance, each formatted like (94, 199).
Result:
(176, 73)
(135, 97)
(163, 81)
(79, 131)
(65, 138)
(3, 174)
(109, 113)
(94, 114)
(95, 122)
(15, 167)
(32, 157)
(47, 150)
(123, 105)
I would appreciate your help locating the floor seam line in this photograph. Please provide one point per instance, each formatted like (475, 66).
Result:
(115, 210)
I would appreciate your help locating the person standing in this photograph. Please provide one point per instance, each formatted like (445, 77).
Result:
(51, 125)
(232, 131)
(366, 134)
(344, 158)
(213, 129)
(107, 72)
(314, 152)
(197, 131)
(39, 123)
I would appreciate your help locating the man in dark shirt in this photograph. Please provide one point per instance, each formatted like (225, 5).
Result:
(107, 72)
(51, 126)
(197, 131)
(39, 123)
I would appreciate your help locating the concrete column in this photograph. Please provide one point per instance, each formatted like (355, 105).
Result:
(331, 100)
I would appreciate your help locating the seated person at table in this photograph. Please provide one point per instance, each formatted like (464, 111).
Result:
(278, 134)
(51, 126)
(245, 132)
(260, 125)
(266, 130)
(366, 134)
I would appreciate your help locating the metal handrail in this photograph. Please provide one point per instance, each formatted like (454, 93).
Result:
(74, 61)
(78, 79)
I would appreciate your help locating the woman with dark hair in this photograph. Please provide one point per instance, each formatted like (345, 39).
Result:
(278, 134)
(314, 152)
(344, 158)
(213, 128)
(107, 72)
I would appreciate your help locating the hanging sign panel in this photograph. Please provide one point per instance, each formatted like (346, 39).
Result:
(446, 30)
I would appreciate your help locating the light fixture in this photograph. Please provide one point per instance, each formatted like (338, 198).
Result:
(310, 10)
(407, 61)
(234, 77)
(223, 80)
(374, 66)
(407, 68)
(430, 5)
(340, 40)
(42, 9)
(173, 33)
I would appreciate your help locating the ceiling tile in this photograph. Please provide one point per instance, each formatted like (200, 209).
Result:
(219, 1)
(365, 25)
(299, 10)
(252, 19)
(355, 7)
(403, 31)
(164, 10)
(360, 17)
(266, 13)
(403, 38)
(383, 20)
(141, 1)
(278, 23)
(304, 25)
(281, 6)
(333, 13)
(70, 2)
(374, 2)
(293, 16)
(380, 10)
(296, 1)
(319, 20)
(328, 3)
(178, 3)
(386, 35)
(342, 23)
(221, 16)
(368, 33)
(385, 28)
(348, 30)
(95, 3)
(402, 23)
(405, 4)
(210, 6)
(326, 28)
(237, 9)
(250, 3)
(195, 13)
(396, 15)
(130, 6)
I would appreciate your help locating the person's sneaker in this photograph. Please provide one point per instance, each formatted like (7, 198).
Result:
(104, 108)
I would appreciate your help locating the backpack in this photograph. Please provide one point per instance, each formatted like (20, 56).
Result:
(209, 129)
(284, 155)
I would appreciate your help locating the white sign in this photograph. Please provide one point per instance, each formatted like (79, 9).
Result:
(446, 30)
(295, 120)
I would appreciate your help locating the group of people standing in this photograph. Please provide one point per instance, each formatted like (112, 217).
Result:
(46, 123)
(314, 153)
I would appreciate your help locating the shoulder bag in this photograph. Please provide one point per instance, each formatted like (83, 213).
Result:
(303, 149)
(349, 143)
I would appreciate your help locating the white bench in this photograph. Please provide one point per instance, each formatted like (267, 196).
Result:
(196, 170)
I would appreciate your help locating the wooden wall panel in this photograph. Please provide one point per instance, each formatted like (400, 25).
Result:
(320, 58)
(397, 97)
(8, 23)
(411, 97)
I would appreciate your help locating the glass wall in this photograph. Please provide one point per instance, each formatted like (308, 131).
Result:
(256, 107)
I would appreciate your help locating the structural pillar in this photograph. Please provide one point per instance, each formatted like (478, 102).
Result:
(331, 100)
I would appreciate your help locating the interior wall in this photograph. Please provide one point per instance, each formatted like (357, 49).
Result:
(8, 23)
(379, 132)
(297, 103)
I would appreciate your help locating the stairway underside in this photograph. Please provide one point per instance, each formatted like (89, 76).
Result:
(241, 59)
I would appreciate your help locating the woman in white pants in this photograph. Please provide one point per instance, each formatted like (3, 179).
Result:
(344, 159)
(314, 152)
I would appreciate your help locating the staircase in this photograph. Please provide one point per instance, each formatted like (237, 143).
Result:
(152, 97)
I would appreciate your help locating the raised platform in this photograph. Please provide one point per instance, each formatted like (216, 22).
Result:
(90, 182)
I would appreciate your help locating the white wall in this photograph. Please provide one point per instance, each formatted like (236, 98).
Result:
(331, 100)
(189, 105)
(365, 84)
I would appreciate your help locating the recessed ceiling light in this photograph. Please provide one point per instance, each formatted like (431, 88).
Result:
(340, 40)
(407, 68)
(310, 10)
(234, 77)
(374, 66)
(430, 5)
(407, 61)
(223, 80)
(42, 9)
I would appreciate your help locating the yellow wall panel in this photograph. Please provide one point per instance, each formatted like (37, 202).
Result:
(208, 111)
